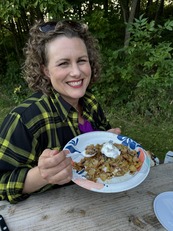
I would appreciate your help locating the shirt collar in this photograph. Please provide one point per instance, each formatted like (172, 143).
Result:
(62, 106)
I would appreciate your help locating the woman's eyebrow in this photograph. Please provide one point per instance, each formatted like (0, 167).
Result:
(83, 56)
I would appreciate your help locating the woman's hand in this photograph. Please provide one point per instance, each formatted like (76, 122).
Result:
(54, 167)
(115, 130)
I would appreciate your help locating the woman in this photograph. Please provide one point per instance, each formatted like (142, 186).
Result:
(62, 62)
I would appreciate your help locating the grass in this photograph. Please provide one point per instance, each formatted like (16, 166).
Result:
(155, 136)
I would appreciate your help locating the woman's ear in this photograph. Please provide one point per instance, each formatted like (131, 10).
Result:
(45, 71)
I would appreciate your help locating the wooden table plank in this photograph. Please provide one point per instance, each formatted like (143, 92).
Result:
(73, 208)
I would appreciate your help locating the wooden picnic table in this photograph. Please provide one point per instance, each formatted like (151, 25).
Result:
(74, 208)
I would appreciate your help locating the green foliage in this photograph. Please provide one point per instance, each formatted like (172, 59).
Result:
(13, 82)
(101, 29)
(13, 8)
(140, 76)
(108, 30)
(20, 93)
(13, 70)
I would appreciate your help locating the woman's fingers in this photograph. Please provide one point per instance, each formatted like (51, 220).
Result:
(55, 167)
(115, 130)
(52, 158)
(62, 177)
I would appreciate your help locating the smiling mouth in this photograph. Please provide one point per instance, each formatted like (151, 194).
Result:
(75, 83)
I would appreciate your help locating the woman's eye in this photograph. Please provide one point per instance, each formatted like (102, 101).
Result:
(82, 61)
(63, 64)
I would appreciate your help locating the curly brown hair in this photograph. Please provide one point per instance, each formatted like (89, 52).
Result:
(36, 55)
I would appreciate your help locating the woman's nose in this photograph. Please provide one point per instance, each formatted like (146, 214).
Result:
(75, 70)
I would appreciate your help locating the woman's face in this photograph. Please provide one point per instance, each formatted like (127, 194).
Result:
(68, 67)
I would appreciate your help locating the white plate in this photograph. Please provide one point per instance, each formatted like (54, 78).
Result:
(116, 184)
(163, 208)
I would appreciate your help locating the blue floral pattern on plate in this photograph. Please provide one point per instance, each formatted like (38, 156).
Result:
(72, 144)
(126, 141)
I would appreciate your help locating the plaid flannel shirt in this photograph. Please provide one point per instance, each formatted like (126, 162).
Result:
(40, 122)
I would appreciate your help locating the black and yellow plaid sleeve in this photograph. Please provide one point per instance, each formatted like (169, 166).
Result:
(15, 158)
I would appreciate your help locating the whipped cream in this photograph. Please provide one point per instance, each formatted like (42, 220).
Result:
(109, 150)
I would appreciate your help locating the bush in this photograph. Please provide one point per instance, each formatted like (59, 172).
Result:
(12, 80)
(140, 76)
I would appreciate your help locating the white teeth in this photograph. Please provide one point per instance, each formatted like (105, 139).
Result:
(75, 83)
